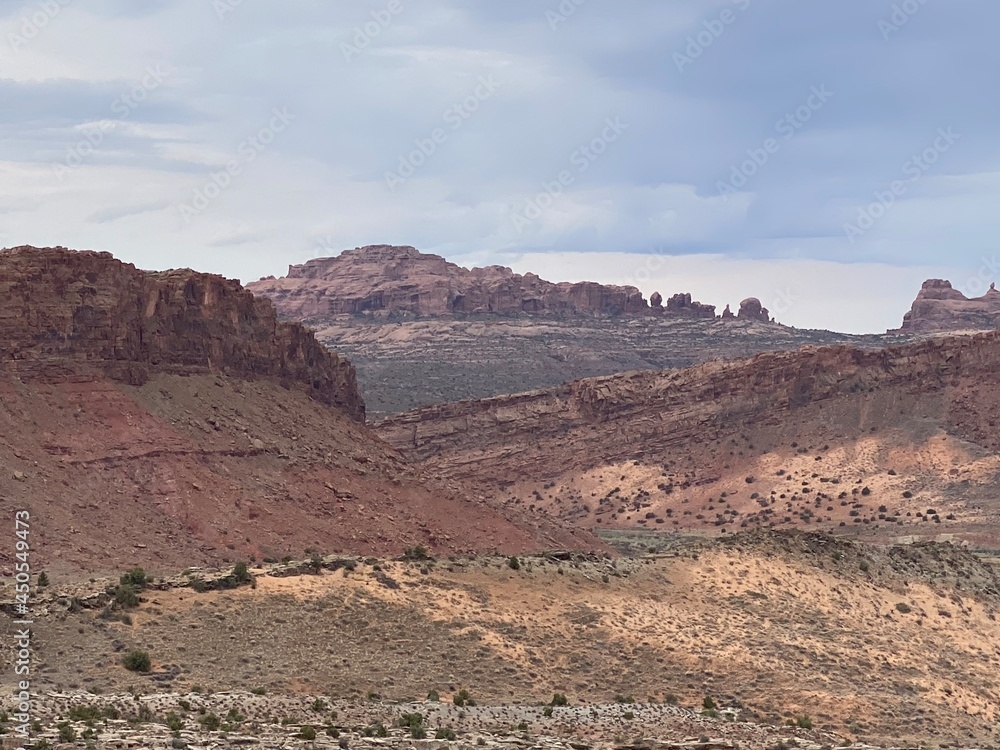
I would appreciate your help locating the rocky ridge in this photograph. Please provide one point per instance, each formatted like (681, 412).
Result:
(386, 280)
(912, 425)
(68, 315)
(941, 308)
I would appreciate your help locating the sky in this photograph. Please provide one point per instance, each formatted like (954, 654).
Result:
(826, 157)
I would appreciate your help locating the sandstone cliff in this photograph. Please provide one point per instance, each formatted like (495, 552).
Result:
(66, 314)
(941, 308)
(383, 280)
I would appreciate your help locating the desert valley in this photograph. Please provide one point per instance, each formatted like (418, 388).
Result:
(390, 501)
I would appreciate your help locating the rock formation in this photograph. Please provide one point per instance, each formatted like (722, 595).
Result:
(752, 309)
(67, 314)
(385, 280)
(681, 304)
(941, 308)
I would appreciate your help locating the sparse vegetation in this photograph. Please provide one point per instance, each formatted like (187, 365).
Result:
(137, 661)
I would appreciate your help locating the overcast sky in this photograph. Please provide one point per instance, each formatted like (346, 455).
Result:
(823, 156)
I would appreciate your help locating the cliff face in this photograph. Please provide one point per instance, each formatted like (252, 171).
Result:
(66, 315)
(384, 279)
(941, 308)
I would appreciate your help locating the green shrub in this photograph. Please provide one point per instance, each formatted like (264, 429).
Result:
(136, 577)
(43, 580)
(241, 572)
(628, 715)
(185, 705)
(259, 691)
(462, 698)
(137, 661)
(445, 733)
(708, 704)
(319, 705)
(210, 722)
(803, 722)
(864, 565)
(174, 722)
(513, 563)
(670, 698)
(375, 730)
(307, 733)
(558, 699)
(418, 552)
(127, 596)
(624, 698)
(66, 733)
(904, 608)
(547, 711)
(434, 696)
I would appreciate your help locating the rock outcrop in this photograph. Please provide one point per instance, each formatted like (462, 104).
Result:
(941, 308)
(66, 314)
(384, 280)
(752, 309)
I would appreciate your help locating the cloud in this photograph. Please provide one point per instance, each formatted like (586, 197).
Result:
(322, 183)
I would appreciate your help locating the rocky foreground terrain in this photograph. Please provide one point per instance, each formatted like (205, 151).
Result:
(703, 644)
(169, 418)
(889, 444)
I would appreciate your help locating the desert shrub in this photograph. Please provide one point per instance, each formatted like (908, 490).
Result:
(307, 733)
(628, 715)
(66, 733)
(547, 711)
(210, 722)
(332, 731)
(558, 699)
(419, 552)
(137, 661)
(86, 714)
(127, 596)
(670, 699)
(136, 577)
(865, 566)
(513, 563)
(259, 691)
(445, 733)
(523, 726)
(803, 722)
(319, 705)
(462, 698)
(174, 722)
(624, 699)
(43, 580)
(903, 608)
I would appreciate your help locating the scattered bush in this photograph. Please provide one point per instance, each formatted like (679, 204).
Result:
(547, 711)
(137, 661)
(307, 733)
(445, 733)
(43, 581)
(628, 715)
(210, 722)
(66, 733)
(558, 699)
(259, 691)
(174, 722)
(708, 704)
(462, 698)
(127, 596)
(624, 699)
(903, 608)
(418, 552)
(136, 577)
(513, 563)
